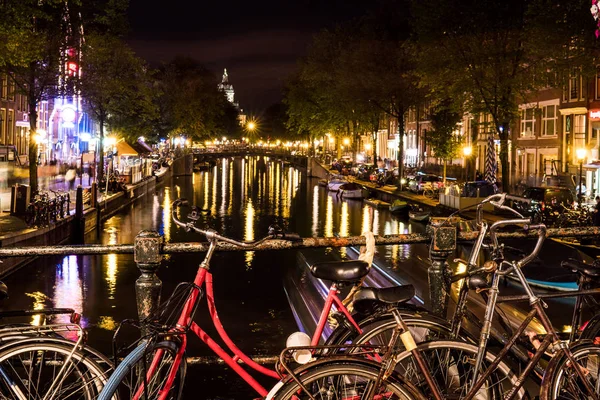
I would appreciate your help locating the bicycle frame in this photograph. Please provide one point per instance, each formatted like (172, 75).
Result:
(204, 278)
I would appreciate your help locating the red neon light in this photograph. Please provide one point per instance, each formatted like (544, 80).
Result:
(72, 67)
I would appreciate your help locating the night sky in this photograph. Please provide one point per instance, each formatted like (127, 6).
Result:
(257, 41)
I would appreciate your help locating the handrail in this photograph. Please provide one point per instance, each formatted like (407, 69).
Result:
(199, 247)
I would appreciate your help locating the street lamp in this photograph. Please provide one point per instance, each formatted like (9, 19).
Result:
(467, 151)
(580, 156)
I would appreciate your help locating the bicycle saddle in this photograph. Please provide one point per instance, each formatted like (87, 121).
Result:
(590, 270)
(367, 298)
(340, 271)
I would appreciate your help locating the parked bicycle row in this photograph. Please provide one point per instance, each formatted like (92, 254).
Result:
(47, 207)
(382, 346)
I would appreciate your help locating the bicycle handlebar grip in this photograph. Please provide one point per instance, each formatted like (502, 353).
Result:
(518, 198)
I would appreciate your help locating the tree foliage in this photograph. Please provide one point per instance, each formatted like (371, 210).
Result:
(116, 89)
(191, 103)
(442, 139)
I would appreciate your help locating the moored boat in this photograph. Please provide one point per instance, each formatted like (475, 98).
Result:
(377, 203)
(351, 190)
(419, 215)
(399, 206)
(334, 184)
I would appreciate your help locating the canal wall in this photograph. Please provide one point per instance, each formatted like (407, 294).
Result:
(71, 229)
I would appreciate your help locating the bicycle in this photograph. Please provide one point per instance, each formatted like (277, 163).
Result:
(38, 362)
(457, 363)
(155, 368)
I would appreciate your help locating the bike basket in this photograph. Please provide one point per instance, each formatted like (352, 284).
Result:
(168, 313)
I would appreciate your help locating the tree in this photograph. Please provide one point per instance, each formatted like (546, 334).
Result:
(191, 103)
(114, 88)
(488, 55)
(442, 138)
(32, 40)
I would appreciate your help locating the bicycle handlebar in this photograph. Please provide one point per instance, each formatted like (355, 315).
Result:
(211, 235)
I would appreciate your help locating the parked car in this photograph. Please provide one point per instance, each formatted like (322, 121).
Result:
(421, 182)
(549, 201)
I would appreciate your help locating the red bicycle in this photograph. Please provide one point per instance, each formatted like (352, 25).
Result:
(155, 368)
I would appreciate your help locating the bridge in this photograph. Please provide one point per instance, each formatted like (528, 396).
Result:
(211, 154)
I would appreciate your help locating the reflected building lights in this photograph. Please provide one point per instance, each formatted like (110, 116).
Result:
(111, 264)
(230, 191)
(167, 214)
(206, 184)
(376, 222)
(249, 231)
(329, 217)
(224, 186)
(315, 211)
(344, 220)
(68, 290)
(213, 208)
(366, 219)
(39, 303)
(243, 177)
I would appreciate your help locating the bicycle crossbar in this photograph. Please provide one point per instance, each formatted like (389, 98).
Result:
(199, 247)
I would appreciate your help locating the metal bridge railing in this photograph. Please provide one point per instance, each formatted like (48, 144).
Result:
(149, 247)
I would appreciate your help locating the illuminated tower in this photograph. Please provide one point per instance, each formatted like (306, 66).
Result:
(227, 88)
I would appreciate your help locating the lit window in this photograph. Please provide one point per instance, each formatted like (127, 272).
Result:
(527, 122)
(549, 120)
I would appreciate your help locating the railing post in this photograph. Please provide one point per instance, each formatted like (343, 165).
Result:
(146, 254)
(443, 244)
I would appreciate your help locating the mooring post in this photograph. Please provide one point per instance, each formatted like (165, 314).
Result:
(146, 254)
(443, 244)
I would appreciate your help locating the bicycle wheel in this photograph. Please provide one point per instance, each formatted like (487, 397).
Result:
(144, 372)
(48, 370)
(562, 381)
(428, 193)
(344, 379)
(451, 364)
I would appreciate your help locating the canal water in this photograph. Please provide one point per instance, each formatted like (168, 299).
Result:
(244, 196)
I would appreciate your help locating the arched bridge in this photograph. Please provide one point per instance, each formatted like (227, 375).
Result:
(211, 154)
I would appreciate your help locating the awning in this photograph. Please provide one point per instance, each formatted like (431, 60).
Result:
(124, 149)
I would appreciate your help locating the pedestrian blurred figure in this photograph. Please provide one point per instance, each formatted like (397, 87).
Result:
(70, 177)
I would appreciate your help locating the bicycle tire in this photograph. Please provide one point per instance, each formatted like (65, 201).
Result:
(125, 381)
(351, 377)
(560, 382)
(28, 371)
(452, 368)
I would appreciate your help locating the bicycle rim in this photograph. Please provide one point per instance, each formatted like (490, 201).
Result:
(344, 380)
(48, 370)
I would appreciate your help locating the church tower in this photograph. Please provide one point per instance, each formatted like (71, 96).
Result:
(227, 88)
